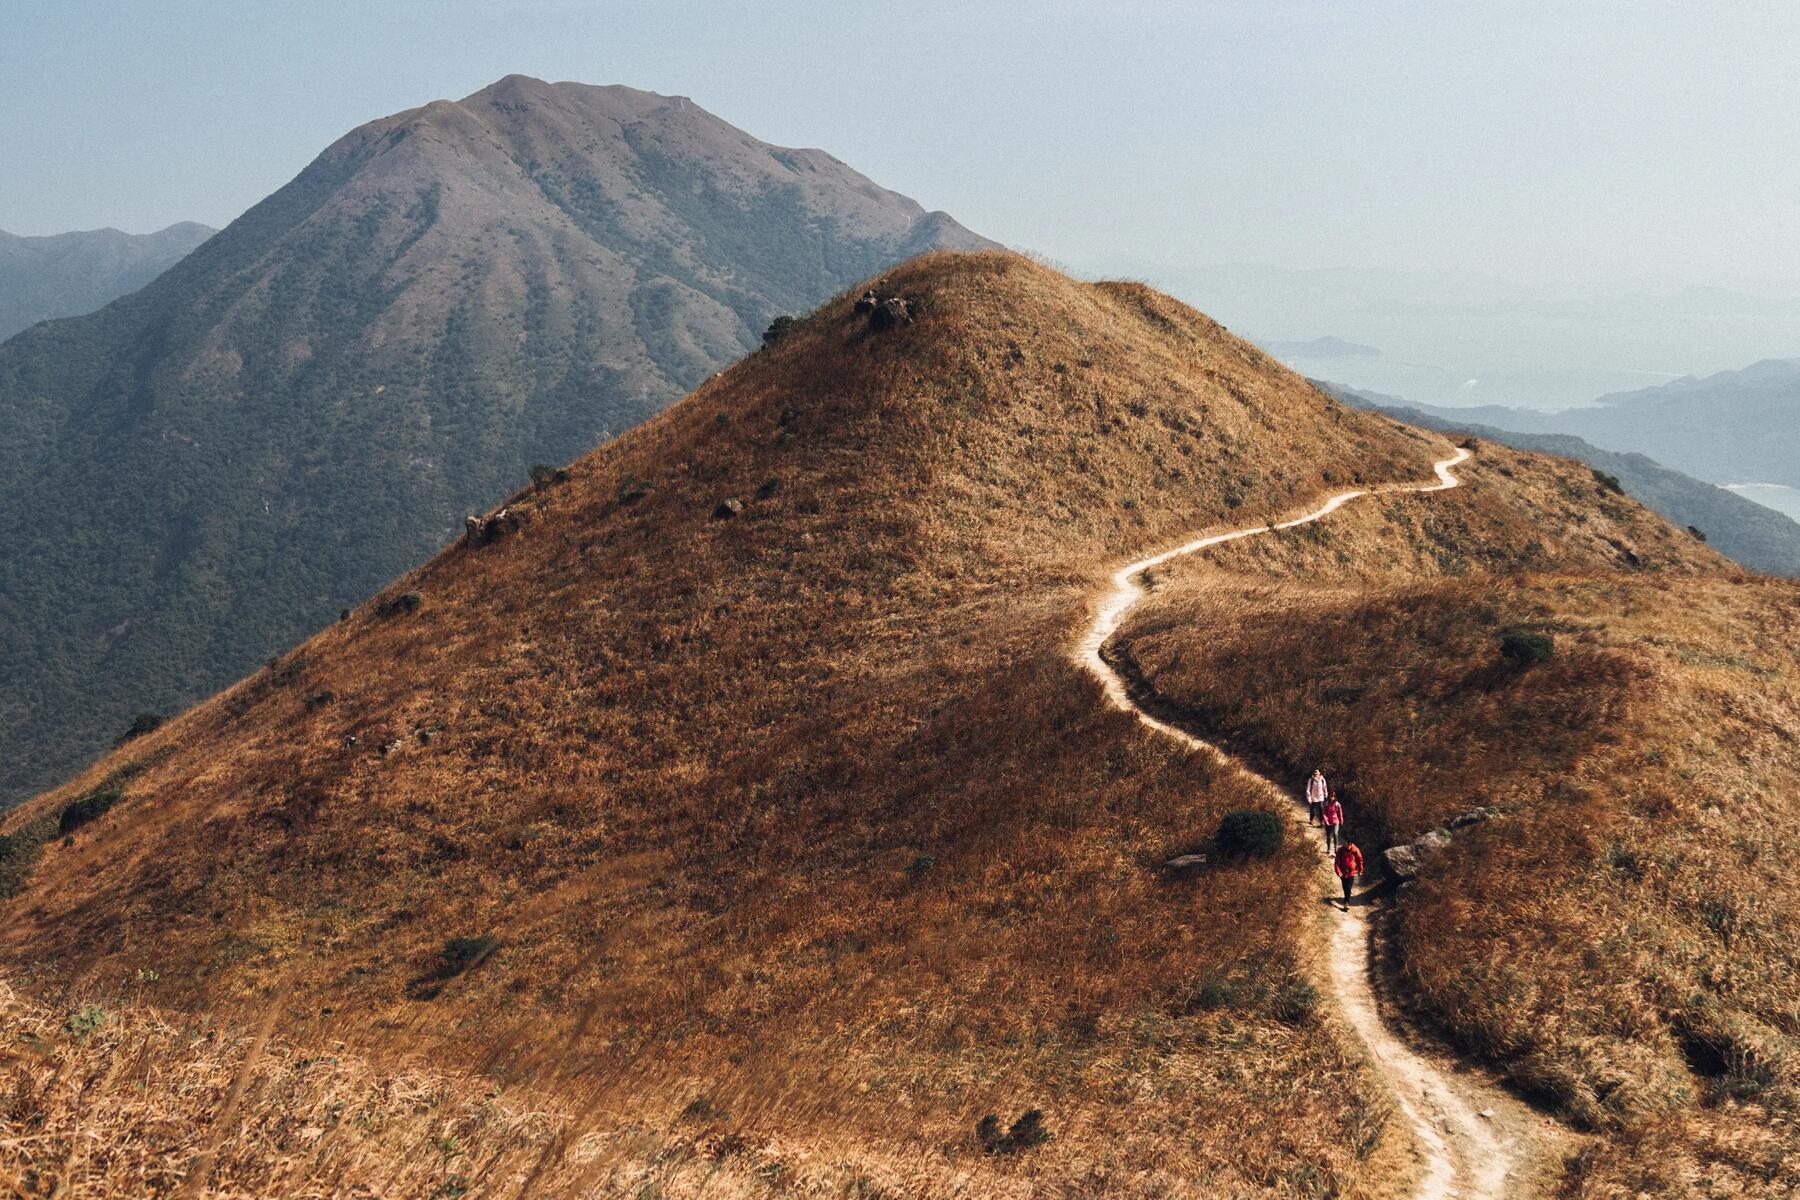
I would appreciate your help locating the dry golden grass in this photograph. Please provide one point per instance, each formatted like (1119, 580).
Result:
(1622, 942)
(803, 816)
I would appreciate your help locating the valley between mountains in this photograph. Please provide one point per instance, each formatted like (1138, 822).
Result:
(732, 817)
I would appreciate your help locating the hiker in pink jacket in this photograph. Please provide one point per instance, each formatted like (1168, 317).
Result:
(1316, 791)
(1334, 823)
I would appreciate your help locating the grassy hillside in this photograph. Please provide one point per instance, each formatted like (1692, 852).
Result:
(799, 827)
(1620, 940)
(214, 467)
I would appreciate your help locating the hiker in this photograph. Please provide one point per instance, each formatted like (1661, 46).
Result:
(1334, 823)
(1348, 864)
(1316, 791)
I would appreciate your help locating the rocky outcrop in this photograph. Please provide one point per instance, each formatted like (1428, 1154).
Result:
(1407, 861)
(890, 314)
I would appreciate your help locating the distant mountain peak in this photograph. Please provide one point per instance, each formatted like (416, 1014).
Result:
(444, 297)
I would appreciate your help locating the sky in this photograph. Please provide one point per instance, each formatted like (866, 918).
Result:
(1646, 141)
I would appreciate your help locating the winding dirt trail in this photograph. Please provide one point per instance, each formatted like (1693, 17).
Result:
(1472, 1141)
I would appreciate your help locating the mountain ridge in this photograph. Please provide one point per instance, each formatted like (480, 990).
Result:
(1723, 427)
(742, 779)
(46, 277)
(1758, 537)
(312, 400)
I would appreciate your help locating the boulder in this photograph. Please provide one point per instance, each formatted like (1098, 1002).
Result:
(472, 527)
(890, 314)
(728, 508)
(1185, 864)
(1405, 862)
(866, 303)
(1474, 816)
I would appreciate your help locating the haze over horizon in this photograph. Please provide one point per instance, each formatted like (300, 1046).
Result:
(1302, 135)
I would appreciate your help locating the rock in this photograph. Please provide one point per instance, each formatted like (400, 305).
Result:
(481, 530)
(1183, 864)
(865, 303)
(728, 508)
(890, 314)
(1474, 816)
(1404, 862)
(1486, 1114)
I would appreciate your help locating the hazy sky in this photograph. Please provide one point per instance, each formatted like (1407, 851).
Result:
(1607, 140)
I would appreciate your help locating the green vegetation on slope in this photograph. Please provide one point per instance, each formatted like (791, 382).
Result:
(210, 469)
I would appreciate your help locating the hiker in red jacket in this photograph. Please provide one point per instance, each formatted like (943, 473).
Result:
(1334, 823)
(1348, 864)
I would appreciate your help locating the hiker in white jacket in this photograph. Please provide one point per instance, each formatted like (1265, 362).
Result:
(1316, 791)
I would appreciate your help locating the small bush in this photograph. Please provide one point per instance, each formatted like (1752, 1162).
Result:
(461, 953)
(406, 602)
(89, 806)
(1296, 1003)
(779, 328)
(1526, 649)
(1250, 833)
(921, 866)
(704, 1111)
(18, 855)
(1696, 532)
(1214, 992)
(543, 475)
(144, 722)
(1026, 1132)
(633, 488)
(1609, 482)
(86, 1019)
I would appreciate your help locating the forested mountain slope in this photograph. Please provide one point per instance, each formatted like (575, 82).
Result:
(66, 274)
(207, 470)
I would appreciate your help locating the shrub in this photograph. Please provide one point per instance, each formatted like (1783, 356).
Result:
(1250, 833)
(1296, 1003)
(86, 1019)
(18, 855)
(1026, 1132)
(634, 487)
(144, 722)
(1526, 648)
(779, 328)
(1696, 532)
(406, 602)
(1214, 992)
(89, 806)
(543, 475)
(922, 865)
(461, 953)
(1609, 482)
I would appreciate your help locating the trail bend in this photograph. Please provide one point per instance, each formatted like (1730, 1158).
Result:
(1473, 1141)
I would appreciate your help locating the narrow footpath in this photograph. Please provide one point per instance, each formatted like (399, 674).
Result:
(1472, 1140)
